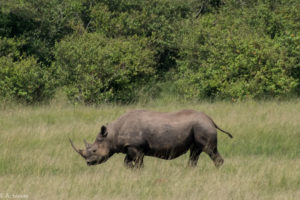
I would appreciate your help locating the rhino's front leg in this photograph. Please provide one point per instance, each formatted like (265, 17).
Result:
(134, 158)
(128, 162)
(139, 163)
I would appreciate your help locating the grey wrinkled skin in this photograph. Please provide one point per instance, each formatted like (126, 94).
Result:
(142, 133)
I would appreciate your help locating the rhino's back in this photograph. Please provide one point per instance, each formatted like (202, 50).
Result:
(144, 119)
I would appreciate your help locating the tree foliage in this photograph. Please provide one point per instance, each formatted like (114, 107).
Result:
(113, 50)
(99, 69)
(25, 81)
(254, 56)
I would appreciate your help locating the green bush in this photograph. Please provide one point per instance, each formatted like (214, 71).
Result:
(157, 20)
(10, 47)
(25, 81)
(222, 61)
(98, 69)
(114, 50)
(132, 17)
(39, 24)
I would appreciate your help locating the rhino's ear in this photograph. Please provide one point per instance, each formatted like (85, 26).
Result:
(103, 131)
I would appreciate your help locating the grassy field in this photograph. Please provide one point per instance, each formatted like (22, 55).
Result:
(262, 161)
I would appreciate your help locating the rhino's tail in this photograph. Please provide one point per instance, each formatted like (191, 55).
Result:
(221, 129)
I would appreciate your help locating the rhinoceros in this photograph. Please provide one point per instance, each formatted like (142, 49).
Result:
(140, 133)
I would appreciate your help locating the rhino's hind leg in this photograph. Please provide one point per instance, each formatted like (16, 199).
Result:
(215, 156)
(195, 152)
(134, 158)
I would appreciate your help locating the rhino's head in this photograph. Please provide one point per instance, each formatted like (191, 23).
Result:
(98, 152)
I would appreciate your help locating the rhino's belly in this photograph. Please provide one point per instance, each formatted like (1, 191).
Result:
(169, 153)
(168, 146)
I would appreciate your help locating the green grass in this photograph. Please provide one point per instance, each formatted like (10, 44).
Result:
(262, 161)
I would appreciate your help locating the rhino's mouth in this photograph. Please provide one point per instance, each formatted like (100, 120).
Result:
(96, 162)
(89, 163)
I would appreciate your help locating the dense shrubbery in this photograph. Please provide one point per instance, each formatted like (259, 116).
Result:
(113, 50)
(98, 69)
(158, 21)
(25, 81)
(240, 61)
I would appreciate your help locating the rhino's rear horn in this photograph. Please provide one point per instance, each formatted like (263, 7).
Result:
(87, 145)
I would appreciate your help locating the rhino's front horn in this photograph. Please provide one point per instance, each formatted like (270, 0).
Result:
(78, 151)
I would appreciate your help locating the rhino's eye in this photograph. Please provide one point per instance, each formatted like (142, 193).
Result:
(94, 151)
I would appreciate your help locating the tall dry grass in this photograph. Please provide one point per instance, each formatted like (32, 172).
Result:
(261, 162)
